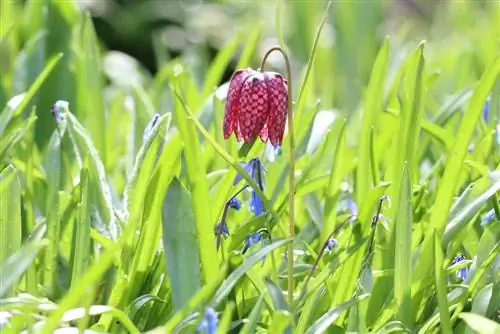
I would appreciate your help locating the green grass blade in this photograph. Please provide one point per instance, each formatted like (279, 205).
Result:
(251, 325)
(13, 268)
(442, 297)
(372, 106)
(403, 261)
(53, 168)
(219, 65)
(78, 291)
(335, 178)
(90, 83)
(454, 164)
(225, 321)
(199, 191)
(101, 197)
(235, 276)
(202, 295)
(81, 246)
(180, 244)
(480, 324)
(6, 115)
(10, 139)
(10, 212)
(323, 323)
(249, 50)
(469, 203)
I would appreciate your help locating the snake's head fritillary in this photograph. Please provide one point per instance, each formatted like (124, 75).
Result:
(256, 105)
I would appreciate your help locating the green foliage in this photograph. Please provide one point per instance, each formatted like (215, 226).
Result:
(108, 228)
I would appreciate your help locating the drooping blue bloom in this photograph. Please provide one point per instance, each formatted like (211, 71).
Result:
(272, 151)
(150, 126)
(251, 240)
(221, 229)
(461, 273)
(353, 209)
(488, 217)
(255, 170)
(486, 110)
(234, 203)
(209, 322)
(331, 244)
(254, 238)
(58, 109)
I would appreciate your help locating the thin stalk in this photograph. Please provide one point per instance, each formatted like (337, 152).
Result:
(291, 193)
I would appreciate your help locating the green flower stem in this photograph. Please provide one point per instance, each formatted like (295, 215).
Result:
(291, 193)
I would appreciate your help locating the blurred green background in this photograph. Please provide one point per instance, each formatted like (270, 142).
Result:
(70, 198)
(142, 36)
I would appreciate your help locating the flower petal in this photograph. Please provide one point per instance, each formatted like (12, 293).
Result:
(253, 109)
(231, 108)
(278, 105)
(256, 204)
(248, 168)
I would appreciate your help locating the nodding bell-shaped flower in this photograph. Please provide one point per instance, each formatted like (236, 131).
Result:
(209, 322)
(461, 273)
(330, 245)
(58, 110)
(256, 171)
(256, 105)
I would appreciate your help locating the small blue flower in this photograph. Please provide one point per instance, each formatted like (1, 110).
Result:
(234, 203)
(331, 244)
(486, 110)
(254, 238)
(209, 322)
(221, 229)
(255, 170)
(58, 109)
(461, 273)
(251, 240)
(272, 151)
(488, 217)
(150, 126)
(353, 209)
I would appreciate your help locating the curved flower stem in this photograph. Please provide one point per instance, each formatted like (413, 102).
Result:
(291, 193)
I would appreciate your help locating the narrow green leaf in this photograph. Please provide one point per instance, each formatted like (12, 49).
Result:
(327, 319)
(81, 245)
(7, 115)
(250, 326)
(90, 83)
(277, 296)
(14, 267)
(180, 243)
(76, 292)
(53, 168)
(249, 50)
(454, 165)
(372, 106)
(280, 322)
(10, 139)
(442, 297)
(235, 276)
(469, 203)
(196, 173)
(225, 321)
(402, 250)
(101, 197)
(202, 295)
(219, 64)
(10, 213)
(480, 324)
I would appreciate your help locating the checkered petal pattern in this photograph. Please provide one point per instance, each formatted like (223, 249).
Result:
(256, 105)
